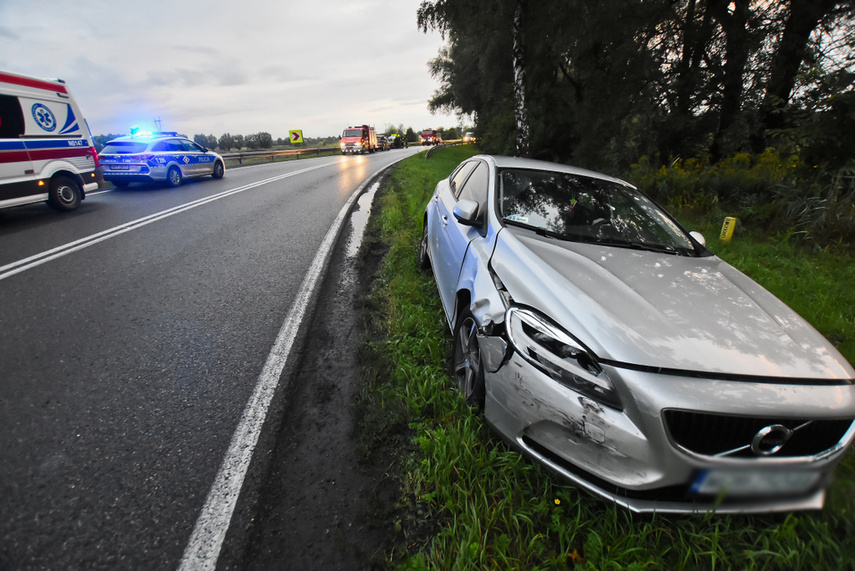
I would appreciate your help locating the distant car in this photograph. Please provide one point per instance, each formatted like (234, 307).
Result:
(383, 143)
(469, 137)
(607, 343)
(158, 157)
(397, 141)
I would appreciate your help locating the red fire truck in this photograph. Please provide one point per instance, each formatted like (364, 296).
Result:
(430, 137)
(359, 139)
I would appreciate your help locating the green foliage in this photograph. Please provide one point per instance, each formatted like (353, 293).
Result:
(766, 192)
(674, 78)
(489, 508)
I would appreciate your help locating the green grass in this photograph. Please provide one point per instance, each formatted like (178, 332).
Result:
(469, 502)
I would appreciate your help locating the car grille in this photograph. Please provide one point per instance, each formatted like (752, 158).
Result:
(714, 434)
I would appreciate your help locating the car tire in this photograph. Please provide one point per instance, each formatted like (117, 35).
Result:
(466, 367)
(424, 258)
(64, 194)
(219, 170)
(174, 177)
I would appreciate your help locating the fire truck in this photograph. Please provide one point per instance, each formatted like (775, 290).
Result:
(430, 137)
(359, 139)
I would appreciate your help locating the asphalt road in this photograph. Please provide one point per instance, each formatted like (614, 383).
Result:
(132, 334)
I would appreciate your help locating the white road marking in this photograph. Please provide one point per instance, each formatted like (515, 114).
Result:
(203, 549)
(43, 257)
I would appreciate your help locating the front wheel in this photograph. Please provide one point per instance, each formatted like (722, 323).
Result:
(173, 176)
(64, 194)
(424, 259)
(466, 366)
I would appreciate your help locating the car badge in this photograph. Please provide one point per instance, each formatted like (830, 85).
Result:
(770, 439)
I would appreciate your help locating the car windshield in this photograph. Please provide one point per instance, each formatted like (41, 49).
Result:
(123, 148)
(584, 209)
(352, 133)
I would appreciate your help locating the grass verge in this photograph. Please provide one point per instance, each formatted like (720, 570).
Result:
(469, 502)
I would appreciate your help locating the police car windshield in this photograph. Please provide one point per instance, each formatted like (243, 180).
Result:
(123, 148)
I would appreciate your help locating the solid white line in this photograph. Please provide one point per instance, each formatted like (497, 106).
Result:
(43, 257)
(205, 543)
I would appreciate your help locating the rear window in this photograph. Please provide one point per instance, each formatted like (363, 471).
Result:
(123, 148)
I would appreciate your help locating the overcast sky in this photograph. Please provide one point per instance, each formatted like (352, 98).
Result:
(239, 67)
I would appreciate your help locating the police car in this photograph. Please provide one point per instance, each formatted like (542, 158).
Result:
(158, 157)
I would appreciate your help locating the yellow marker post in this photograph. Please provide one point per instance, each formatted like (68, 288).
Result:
(727, 229)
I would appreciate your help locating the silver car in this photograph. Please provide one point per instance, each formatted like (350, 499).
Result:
(607, 343)
(157, 157)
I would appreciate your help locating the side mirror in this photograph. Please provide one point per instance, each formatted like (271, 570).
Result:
(699, 238)
(466, 212)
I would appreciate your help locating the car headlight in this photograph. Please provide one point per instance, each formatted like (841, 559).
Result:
(557, 354)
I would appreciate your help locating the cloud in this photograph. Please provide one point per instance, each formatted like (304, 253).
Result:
(238, 67)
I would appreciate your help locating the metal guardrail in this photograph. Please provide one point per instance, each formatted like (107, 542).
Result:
(451, 143)
(272, 155)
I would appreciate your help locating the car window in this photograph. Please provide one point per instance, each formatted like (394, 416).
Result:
(460, 175)
(585, 209)
(11, 117)
(160, 147)
(191, 147)
(475, 187)
(123, 148)
(174, 146)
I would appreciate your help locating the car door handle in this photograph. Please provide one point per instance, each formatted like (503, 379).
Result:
(445, 220)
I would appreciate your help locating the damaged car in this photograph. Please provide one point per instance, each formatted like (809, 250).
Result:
(603, 340)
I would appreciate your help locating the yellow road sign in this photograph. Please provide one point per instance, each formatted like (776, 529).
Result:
(296, 137)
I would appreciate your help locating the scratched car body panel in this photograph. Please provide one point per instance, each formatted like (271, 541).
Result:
(607, 343)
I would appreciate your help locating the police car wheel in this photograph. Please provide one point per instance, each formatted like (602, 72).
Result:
(173, 176)
(64, 194)
(219, 170)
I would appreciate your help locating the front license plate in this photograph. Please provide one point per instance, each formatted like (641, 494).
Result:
(120, 167)
(753, 482)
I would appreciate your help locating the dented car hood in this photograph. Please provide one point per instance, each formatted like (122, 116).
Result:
(657, 310)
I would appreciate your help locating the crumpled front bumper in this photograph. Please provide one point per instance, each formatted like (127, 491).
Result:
(628, 456)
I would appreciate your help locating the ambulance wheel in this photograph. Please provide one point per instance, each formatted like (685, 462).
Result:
(219, 170)
(64, 194)
(173, 176)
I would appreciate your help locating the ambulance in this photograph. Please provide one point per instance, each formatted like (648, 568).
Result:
(47, 153)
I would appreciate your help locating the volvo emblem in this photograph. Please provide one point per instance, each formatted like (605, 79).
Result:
(770, 439)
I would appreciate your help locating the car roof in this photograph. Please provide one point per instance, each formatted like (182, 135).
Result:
(501, 161)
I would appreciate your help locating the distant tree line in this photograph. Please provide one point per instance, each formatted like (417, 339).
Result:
(605, 83)
(260, 141)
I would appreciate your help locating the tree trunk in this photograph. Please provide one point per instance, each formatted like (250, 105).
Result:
(804, 17)
(523, 142)
(737, 38)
